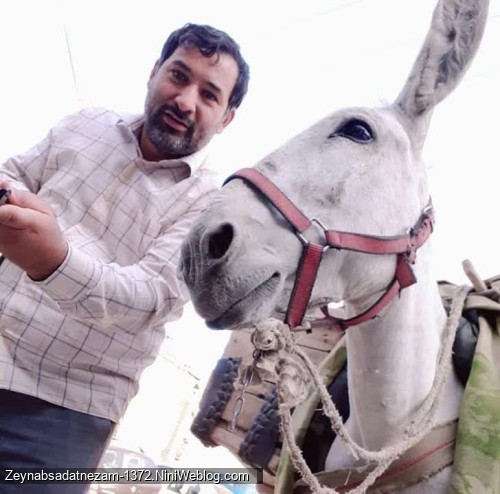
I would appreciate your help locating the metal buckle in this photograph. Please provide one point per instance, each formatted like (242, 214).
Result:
(321, 227)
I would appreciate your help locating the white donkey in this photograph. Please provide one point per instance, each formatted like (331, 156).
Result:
(357, 170)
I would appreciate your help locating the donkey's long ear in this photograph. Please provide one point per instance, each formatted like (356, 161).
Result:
(451, 43)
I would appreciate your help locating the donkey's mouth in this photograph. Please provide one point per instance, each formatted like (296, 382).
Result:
(238, 313)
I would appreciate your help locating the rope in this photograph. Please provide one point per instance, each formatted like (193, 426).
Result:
(292, 367)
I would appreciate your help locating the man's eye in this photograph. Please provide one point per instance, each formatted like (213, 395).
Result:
(178, 76)
(356, 130)
(210, 96)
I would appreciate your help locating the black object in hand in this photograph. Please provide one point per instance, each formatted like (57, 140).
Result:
(4, 195)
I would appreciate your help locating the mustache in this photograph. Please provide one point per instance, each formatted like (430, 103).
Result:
(182, 116)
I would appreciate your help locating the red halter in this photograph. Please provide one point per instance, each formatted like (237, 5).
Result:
(405, 246)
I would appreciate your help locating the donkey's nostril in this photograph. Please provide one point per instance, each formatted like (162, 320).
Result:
(220, 241)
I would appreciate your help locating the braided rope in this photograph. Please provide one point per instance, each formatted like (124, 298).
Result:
(216, 399)
(279, 338)
(253, 449)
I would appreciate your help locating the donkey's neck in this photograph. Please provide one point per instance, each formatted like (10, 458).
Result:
(393, 361)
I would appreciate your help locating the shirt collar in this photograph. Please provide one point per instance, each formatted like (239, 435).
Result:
(194, 161)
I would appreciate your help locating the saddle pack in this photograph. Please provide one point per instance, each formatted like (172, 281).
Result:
(246, 422)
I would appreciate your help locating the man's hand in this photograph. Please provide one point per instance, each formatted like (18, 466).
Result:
(30, 236)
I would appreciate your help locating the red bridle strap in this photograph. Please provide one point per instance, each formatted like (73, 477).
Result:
(405, 246)
(403, 278)
(308, 269)
(280, 201)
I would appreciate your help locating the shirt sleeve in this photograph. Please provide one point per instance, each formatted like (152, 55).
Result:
(131, 297)
(25, 171)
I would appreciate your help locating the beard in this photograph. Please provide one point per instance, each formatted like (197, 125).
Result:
(168, 141)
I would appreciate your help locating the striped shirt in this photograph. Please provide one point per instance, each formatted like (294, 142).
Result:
(82, 337)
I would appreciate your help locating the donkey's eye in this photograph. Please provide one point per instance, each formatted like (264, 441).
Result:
(356, 130)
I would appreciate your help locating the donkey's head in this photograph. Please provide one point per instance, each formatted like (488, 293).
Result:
(357, 170)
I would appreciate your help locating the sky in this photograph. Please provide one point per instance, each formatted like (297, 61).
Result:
(306, 60)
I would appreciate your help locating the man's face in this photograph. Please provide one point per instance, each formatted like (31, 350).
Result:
(187, 103)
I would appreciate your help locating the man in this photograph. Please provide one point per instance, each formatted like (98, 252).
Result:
(90, 238)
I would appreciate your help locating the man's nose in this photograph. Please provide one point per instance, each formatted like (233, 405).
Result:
(186, 99)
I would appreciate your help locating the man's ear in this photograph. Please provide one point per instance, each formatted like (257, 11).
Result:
(228, 117)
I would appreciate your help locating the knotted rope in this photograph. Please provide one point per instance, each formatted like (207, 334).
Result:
(279, 357)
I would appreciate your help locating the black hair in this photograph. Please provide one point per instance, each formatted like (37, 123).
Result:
(210, 41)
